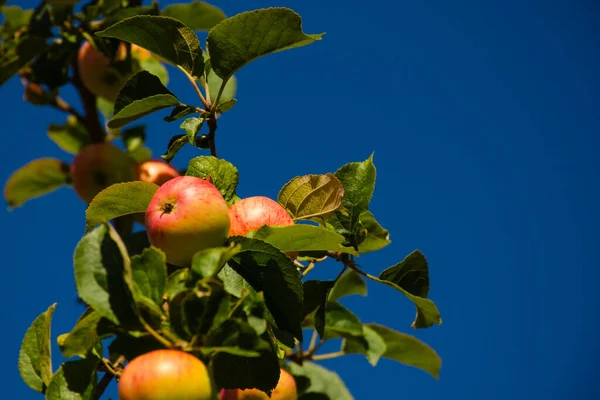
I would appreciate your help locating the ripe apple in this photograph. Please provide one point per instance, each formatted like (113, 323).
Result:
(97, 166)
(96, 73)
(253, 212)
(155, 171)
(186, 215)
(165, 375)
(285, 390)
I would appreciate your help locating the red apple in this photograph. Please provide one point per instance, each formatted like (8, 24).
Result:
(155, 171)
(186, 215)
(253, 212)
(96, 73)
(285, 390)
(165, 375)
(97, 166)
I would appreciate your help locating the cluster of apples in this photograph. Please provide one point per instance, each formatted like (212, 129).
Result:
(177, 375)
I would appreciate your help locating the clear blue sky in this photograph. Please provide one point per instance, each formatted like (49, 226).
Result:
(484, 120)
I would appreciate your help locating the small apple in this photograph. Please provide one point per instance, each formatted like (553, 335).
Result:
(97, 166)
(155, 171)
(253, 212)
(186, 215)
(285, 390)
(165, 375)
(96, 73)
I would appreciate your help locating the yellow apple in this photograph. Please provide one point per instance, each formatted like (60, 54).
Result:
(285, 390)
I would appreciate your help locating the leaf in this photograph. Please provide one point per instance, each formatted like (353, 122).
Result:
(225, 105)
(247, 36)
(197, 15)
(320, 381)
(358, 179)
(163, 36)
(13, 58)
(38, 177)
(70, 137)
(411, 274)
(122, 13)
(408, 350)
(371, 345)
(309, 196)
(175, 144)
(134, 138)
(411, 277)
(192, 126)
(315, 295)
(82, 338)
(341, 322)
(149, 271)
(101, 277)
(180, 111)
(141, 95)
(302, 237)
(348, 284)
(215, 83)
(269, 270)
(375, 236)
(118, 200)
(74, 380)
(35, 363)
(209, 262)
(222, 173)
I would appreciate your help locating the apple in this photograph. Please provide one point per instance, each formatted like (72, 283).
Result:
(155, 171)
(97, 166)
(186, 215)
(253, 212)
(165, 375)
(96, 73)
(285, 390)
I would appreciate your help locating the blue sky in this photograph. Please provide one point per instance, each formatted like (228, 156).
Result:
(483, 118)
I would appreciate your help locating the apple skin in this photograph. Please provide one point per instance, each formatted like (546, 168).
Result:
(96, 73)
(165, 375)
(253, 212)
(285, 390)
(155, 171)
(186, 215)
(97, 166)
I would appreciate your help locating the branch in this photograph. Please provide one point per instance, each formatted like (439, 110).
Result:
(107, 378)
(212, 128)
(91, 119)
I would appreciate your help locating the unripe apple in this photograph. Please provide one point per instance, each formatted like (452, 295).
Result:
(253, 212)
(155, 171)
(96, 73)
(165, 375)
(285, 390)
(97, 166)
(186, 215)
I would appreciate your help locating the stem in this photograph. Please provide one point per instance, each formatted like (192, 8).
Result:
(212, 128)
(328, 356)
(156, 335)
(62, 105)
(308, 269)
(205, 103)
(108, 376)
(313, 341)
(91, 119)
(221, 89)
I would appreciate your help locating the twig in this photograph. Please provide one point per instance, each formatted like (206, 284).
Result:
(205, 103)
(62, 105)
(107, 378)
(308, 269)
(212, 128)
(313, 341)
(328, 356)
(92, 121)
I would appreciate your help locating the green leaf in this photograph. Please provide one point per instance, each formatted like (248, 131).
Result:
(411, 277)
(269, 270)
(82, 338)
(348, 284)
(245, 37)
(180, 111)
(375, 237)
(19, 54)
(149, 271)
(197, 15)
(192, 126)
(319, 380)
(209, 262)
(175, 144)
(101, 277)
(222, 173)
(123, 13)
(70, 137)
(155, 67)
(163, 36)
(315, 295)
(134, 137)
(177, 282)
(15, 17)
(74, 380)
(141, 95)
(118, 200)
(408, 350)
(309, 196)
(341, 322)
(215, 83)
(302, 237)
(371, 345)
(226, 105)
(35, 179)
(35, 364)
(358, 179)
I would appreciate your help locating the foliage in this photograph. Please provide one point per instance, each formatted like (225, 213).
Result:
(242, 308)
